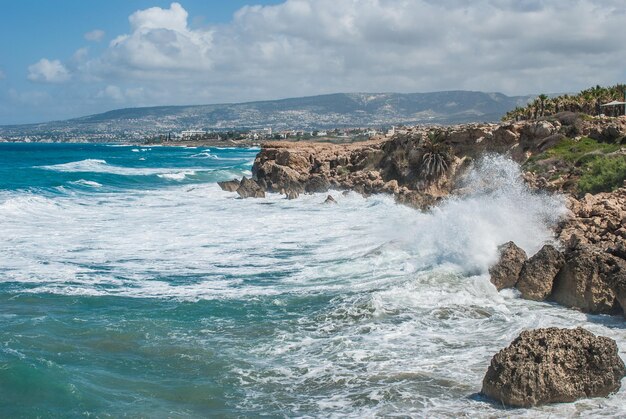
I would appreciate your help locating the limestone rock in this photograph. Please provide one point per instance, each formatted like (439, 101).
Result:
(295, 160)
(582, 283)
(554, 366)
(537, 275)
(505, 272)
(229, 185)
(248, 188)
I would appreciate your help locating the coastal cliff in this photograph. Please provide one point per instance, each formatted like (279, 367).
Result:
(420, 165)
(581, 157)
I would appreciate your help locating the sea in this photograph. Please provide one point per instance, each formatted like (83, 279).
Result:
(131, 285)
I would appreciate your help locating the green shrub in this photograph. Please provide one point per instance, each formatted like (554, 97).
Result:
(571, 150)
(603, 174)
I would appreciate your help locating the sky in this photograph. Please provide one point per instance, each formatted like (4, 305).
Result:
(67, 59)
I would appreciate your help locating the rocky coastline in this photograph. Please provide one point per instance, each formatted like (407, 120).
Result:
(585, 267)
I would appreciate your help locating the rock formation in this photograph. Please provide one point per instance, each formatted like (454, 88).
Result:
(249, 188)
(584, 282)
(598, 220)
(229, 185)
(505, 273)
(554, 365)
(537, 274)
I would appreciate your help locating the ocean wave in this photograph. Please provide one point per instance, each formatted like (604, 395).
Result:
(101, 166)
(361, 309)
(177, 175)
(206, 155)
(90, 183)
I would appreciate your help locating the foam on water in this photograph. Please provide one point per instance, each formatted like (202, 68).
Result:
(287, 307)
(101, 166)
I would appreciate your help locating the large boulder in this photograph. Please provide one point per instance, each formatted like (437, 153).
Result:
(554, 366)
(229, 185)
(505, 273)
(537, 275)
(583, 282)
(532, 134)
(248, 188)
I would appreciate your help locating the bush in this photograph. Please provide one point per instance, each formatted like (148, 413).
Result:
(603, 174)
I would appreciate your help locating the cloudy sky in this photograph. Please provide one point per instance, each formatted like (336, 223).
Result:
(77, 57)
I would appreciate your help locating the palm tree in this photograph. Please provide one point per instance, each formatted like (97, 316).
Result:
(542, 102)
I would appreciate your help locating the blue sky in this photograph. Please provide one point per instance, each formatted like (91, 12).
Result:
(77, 57)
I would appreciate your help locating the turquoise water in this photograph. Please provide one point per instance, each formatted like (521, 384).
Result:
(131, 285)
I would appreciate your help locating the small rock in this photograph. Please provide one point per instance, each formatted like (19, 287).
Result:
(291, 194)
(248, 188)
(229, 185)
(537, 275)
(554, 366)
(505, 273)
(330, 200)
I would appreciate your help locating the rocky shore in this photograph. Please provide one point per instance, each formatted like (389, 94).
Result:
(584, 269)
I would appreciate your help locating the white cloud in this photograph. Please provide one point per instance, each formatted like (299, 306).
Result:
(47, 71)
(302, 47)
(95, 36)
(2, 75)
(111, 92)
(159, 45)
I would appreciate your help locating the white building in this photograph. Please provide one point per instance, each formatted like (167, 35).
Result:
(192, 133)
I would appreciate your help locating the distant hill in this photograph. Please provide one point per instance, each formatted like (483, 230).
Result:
(315, 112)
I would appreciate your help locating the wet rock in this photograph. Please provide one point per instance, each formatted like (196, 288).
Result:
(317, 184)
(229, 185)
(583, 282)
(330, 200)
(248, 188)
(537, 275)
(505, 273)
(291, 194)
(554, 366)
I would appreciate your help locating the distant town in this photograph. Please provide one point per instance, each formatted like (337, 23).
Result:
(227, 137)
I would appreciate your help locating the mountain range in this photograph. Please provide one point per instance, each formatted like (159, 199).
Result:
(315, 112)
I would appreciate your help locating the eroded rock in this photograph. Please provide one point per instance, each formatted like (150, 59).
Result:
(248, 188)
(505, 273)
(584, 282)
(229, 185)
(553, 366)
(538, 273)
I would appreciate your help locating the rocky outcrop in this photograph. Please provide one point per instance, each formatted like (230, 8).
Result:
(584, 282)
(537, 274)
(249, 188)
(582, 277)
(505, 273)
(229, 185)
(598, 220)
(554, 366)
